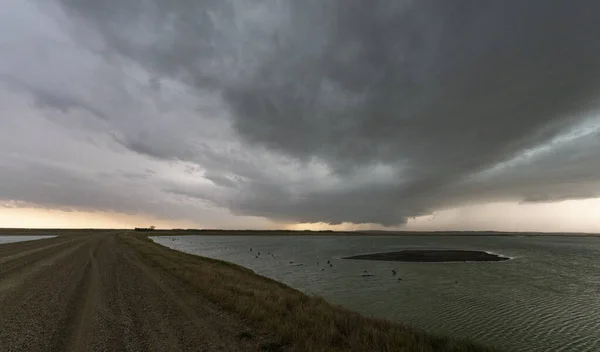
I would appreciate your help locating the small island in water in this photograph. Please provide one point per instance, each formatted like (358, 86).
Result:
(432, 256)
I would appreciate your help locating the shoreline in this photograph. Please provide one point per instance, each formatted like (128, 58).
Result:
(82, 292)
(302, 322)
(105, 287)
(209, 232)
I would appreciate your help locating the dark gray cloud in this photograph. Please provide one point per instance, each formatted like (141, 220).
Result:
(47, 99)
(347, 110)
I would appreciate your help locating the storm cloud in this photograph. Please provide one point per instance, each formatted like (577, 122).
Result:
(319, 111)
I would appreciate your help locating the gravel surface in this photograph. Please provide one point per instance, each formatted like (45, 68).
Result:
(94, 293)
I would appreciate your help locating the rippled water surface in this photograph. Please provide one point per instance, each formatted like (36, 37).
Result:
(11, 239)
(547, 298)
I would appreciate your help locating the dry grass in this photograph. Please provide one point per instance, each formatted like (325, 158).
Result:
(302, 322)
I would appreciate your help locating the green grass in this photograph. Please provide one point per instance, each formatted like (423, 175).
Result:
(302, 322)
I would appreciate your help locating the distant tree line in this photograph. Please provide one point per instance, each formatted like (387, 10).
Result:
(151, 228)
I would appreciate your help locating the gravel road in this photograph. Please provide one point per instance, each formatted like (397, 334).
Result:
(94, 293)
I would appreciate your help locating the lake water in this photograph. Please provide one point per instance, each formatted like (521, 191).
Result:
(547, 298)
(11, 239)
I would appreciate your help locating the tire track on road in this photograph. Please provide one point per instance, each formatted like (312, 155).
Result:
(95, 293)
(4, 260)
(82, 313)
(19, 271)
(32, 311)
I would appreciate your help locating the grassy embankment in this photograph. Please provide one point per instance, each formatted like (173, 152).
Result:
(302, 322)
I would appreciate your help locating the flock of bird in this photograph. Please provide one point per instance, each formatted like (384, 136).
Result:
(292, 263)
(364, 274)
(329, 263)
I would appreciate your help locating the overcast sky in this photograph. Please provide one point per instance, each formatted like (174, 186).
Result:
(272, 113)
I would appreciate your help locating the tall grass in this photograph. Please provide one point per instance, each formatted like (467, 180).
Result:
(304, 323)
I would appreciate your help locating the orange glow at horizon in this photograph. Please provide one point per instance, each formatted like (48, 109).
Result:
(50, 218)
(566, 216)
